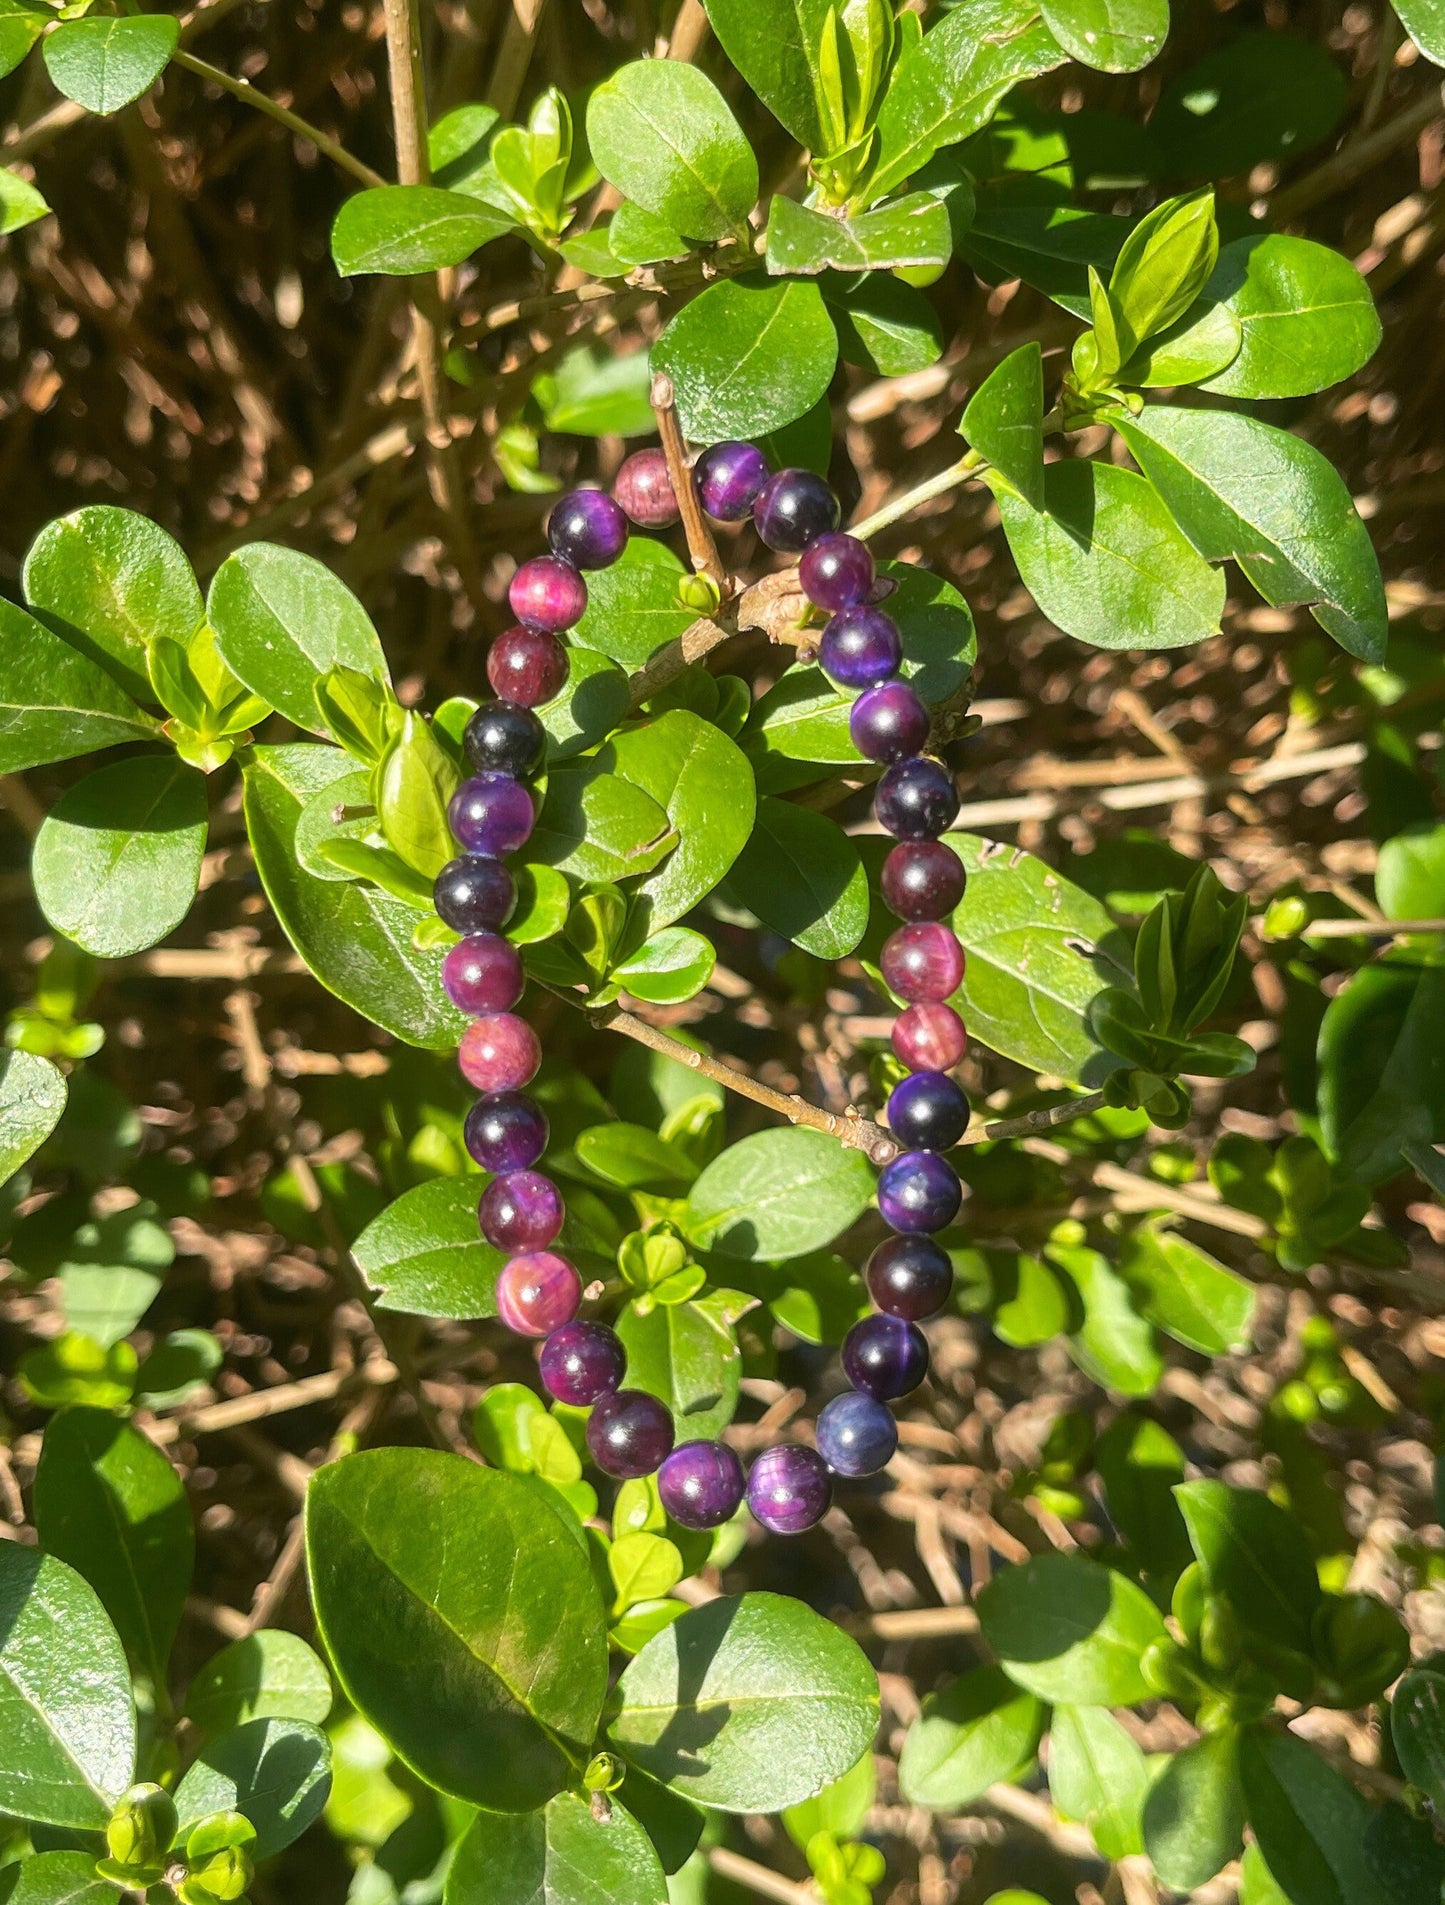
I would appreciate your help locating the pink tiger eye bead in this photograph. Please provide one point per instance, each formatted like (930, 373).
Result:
(548, 594)
(537, 1293)
(521, 1210)
(922, 962)
(499, 1052)
(929, 1038)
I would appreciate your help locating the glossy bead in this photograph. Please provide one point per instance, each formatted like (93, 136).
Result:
(929, 1038)
(548, 594)
(587, 528)
(499, 1053)
(491, 814)
(701, 1484)
(630, 1433)
(860, 648)
(503, 737)
(789, 1489)
(922, 962)
(482, 973)
(506, 1131)
(888, 722)
(836, 571)
(909, 1277)
(582, 1362)
(729, 478)
(885, 1356)
(537, 1293)
(643, 486)
(919, 1191)
(792, 508)
(922, 879)
(521, 1210)
(856, 1435)
(916, 799)
(527, 666)
(474, 894)
(928, 1111)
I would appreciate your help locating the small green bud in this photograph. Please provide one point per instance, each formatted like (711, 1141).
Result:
(700, 594)
(141, 1828)
(603, 1773)
(225, 1875)
(1286, 918)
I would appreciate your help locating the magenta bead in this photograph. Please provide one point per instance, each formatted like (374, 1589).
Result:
(491, 814)
(922, 962)
(888, 722)
(582, 1362)
(929, 1038)
(499, 1052)
(528, 666)
(521, 1210)
(643, 486)
(836, 571)
(482, 973)
(789, 1489)
(701, 1484)
(922, 879)
(537, 1293)
(548, 594)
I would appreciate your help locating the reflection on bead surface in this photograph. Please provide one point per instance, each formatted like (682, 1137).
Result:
(856, 1435)
(506, 1131)
(587, 528)
(836, 571)
(789, 1489)
(916, 799)
(548, 594)
(474, 894)
(860, 648)
(792, 508)
(527, 666)
(929, 1038)
(919, 1191)
(885, 1356)
(499, 1053)
(503, 737)
(482, 973)
(922, 962)
(888, 722)
(630, 1434)
(909, 1277)
(491, 814)
(581, 1362)
(537, 1293)
(928, 1111)
(701, 1484)
(643, 486)
(521, 1210)
(922, 879)
(729, 477)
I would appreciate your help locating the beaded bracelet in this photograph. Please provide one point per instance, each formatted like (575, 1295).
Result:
(583, 1363)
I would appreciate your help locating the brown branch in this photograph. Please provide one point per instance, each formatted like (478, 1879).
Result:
(757, 1878)
(700, 544)
(1033, 1122)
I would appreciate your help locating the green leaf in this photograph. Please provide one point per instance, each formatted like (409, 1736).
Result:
(595, 393)
(1105, 561)
(666, 968)
(661, 132)
(778, 1194)
(560, 1856)
(425, 1256)
(1139, 1463)
(975, 1732)
(1003, 421)
(32, 1097)
(111, 1270)
(633, 607)
(774, 45)
(1163, 266)
(1113, 36)
(67, 1721)
(1018, 233)
(639, 237)
(1423, 22)
(883, 325)
(1098, 1776)
(908, 231)
(591, 705)
(269, 1675)
(399, 230)
(1265, 96)
(55, 1878)
(802, 875)
(21, 25)
(677, 1353)
(475, 1580)
(1238, 487)
(109, 1504)
(1382, 1067)
(1410, 874)
(1114, 1344)
(597, 826)
(840, 1808)
(281, 619)
(1305, 314)
(1194, 1813)
(1308, 1822)
(276, 1772)
(1188, 1293)
(1067, 1629)
(55, 702)
(105, 64)
(21, 203)
(1204, 340)
(1255, 1553)
(747, 1705)
(414, 780)
(702, 780)
(634, 1158)
(1025, 1301)
(118, 857)
(1417, 1724)
(747, 356)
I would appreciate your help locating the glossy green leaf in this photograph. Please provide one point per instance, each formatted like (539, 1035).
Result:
(1067, 1629)
(1306, 317)
(1098, 1776)
(55, 702)
(703, 782)
(774, 45)
(560, 1856)
(1113, 36)
(1200, 343)
(1382, 1067)
(802, 875)
(908, 231)
(883, 325)
(20, 202)
(668, 967)
(633, 607)
(21, 24)
(1188, 1293)
(595, 393)
(678, 1353)
(634, 1158)
(1194, 1813)
(597, 826)
(779, 1194)
(425, 1256)
(1417, 1725)
(661, 132)
(103, 64)
(269, 1675)
(55, 1878)
(1308, 1821)
(1424, 22)
(640, 237)
(1003, 421)
(32, 1097)
(1410, 874)
(1256, 1553)
(110, 1271)
(1139, 1463)
(275, 1772)
(398, 230)
(1114, 1343)
(591, 705)
(976, 1731)
(1264, 96)
(747, 356)
(1025, 1301)
(1017, 232)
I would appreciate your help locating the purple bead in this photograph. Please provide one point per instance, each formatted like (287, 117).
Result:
(491, 814)
(581, 1363)
(474, 894)
(499, 1052)
(789, 1489)
(506, 1131)
(521, 1210)
(792, 508)
(729, 478)
(922, 879)
(528, 666)
(503, 737)
(885, 1356)
(537, 1293)
(856, 1435)
(630, 1433)
(836, 571)
(643, 486)
(919, 1191)
(888, 722)
(909, 1277)
(916, 799)
(701, 1484)
(548, 594)
(929, 1038)
(860, 648)
(482, 973)
(928, 1112)
(922, 962)
(587, 529)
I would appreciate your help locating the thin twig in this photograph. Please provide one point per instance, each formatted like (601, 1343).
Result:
(966, 468)
(1035, 1121)
(700, 544)
(757, 1878)
(243, 90)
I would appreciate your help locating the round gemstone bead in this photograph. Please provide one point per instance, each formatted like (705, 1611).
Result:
(701, 1484)
(499, 1053)
(587, 528)
(888, 722)
(482, 973)
(909, 1277)
(928, 1111)
(922, 962)
(885, 1356)
(537, 1293)
(789, 1489)
(506, 1131)
(729, 478)
(630, 1433)
(521, 1210)
(474, 894)
(922, 879)
(916, 798)
(643, 486)
(491, 814)
(836, 571)
(919, 1191)
(528, 666)
(860, 647)
(792, 508)
(503, 737)
(548, 594)
(929, 1038)
(856, 1435)
(582, 1362)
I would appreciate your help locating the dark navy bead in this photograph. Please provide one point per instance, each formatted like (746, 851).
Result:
(701, 1484)
(885, 1357)
(910, 1277)
(928, 1111)
(503, 737)
(856, 1435)
(793, 507)
(474, 894)
(506, 1131)
(630, 1433)
(919, 1191)
(587, 528)
(916, 798)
